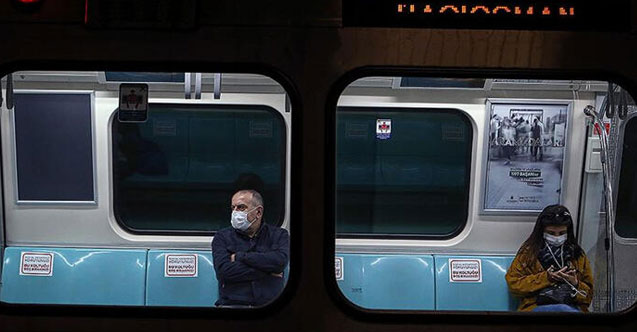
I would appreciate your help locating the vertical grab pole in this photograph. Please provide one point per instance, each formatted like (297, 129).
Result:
(217, 86)
(187, 86)
(608, 198)
(198, 86)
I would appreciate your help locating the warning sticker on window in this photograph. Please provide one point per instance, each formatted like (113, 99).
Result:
(164, 127)
(338, 266)
(36, 264)
(261, 129)
(383, 128)
(465, 270)
(357, 130)
(452, 133)
(181, 265)
(133, 103)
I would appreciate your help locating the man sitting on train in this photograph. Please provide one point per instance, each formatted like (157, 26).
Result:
(250, 256)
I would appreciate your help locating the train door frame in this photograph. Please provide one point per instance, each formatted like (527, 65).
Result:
(3, 109)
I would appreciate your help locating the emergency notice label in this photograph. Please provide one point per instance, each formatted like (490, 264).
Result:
(383, 128)
(338, 267)
(465, 270)
(181, 265)
(36, 264)
(133, 103)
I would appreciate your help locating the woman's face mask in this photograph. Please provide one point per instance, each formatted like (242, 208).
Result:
(239, 220)
(555, 241)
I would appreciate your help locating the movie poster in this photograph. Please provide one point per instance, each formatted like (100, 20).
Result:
(525, 158)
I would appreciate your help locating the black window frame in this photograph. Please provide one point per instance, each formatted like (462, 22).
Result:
(401, 316)
(115, 184)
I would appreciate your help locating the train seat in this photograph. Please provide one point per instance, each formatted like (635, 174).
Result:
(404, 282)
(164, 290)
(77, 276)
(388, 281)
(490, 293)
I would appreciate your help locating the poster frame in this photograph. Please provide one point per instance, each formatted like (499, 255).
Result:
(490, 102)
(13, 161)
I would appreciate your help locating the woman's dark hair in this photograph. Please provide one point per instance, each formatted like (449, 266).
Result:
(552, 215)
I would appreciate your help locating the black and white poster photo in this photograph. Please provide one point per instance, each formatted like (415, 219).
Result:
(525, 156)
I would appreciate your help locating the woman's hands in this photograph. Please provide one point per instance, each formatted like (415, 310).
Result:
(553, 275)
(570, 276)
(565, 274)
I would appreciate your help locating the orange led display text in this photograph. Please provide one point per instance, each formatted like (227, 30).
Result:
(461, 9)
(561, 15)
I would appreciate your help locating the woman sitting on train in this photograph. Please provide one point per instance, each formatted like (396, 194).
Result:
(550, 271)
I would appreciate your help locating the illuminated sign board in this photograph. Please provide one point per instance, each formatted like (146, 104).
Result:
(486, 14)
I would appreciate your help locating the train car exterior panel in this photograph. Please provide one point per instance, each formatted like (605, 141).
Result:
(307, 44)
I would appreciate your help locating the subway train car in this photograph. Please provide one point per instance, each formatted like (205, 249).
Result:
(407, 147)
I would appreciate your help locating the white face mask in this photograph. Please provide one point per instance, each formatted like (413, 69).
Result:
(555, 241)
(240, 221)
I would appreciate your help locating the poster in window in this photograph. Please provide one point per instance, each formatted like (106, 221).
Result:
(525, 156)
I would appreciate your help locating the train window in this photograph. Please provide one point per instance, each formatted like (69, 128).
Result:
(439, 183)
(180, 199)
(177, 171)
(390, 183)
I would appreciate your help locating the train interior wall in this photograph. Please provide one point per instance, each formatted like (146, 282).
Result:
(76, 234)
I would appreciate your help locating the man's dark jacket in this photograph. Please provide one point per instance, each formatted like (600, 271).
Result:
(250, 279)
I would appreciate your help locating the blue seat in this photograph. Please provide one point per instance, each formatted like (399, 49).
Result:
(491, 294)
(199, 291)
(388, 281)
(79, 276)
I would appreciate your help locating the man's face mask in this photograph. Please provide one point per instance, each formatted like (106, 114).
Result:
(240, 221)
(555, 241)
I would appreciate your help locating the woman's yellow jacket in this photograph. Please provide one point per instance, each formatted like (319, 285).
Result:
(526, 277)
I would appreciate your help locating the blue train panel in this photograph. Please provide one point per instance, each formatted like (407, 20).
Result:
(73, 276)
(474, 283)
(388, 281)
(180, 282)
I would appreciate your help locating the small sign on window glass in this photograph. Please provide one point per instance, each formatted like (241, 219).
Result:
(133, 103)
(383, 128)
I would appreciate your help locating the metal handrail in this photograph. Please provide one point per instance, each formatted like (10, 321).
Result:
(608, 198)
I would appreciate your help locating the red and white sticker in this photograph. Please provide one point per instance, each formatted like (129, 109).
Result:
(383, 128)
(181, 265)
(338, 268)
(465, 270)
(36, 264)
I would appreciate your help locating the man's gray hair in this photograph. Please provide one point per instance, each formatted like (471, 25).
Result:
(257, 199)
